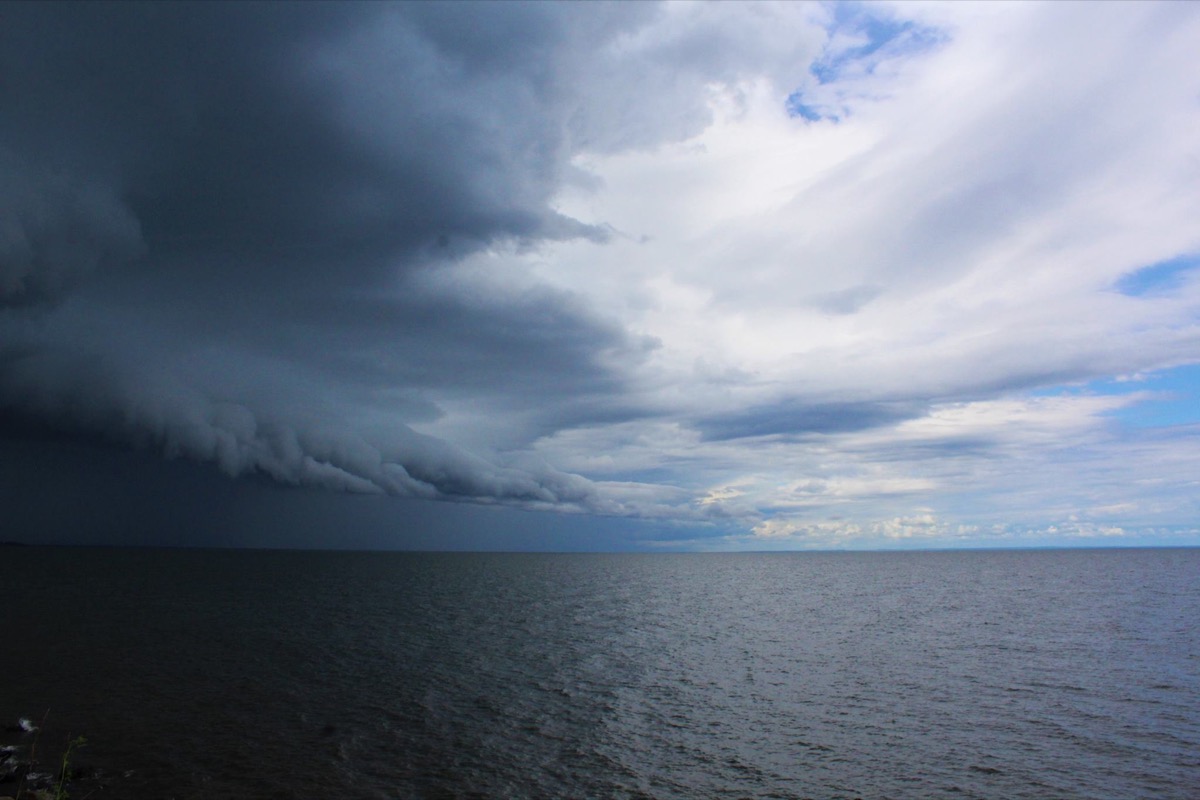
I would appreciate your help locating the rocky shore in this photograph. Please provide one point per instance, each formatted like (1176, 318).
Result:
(31, 770)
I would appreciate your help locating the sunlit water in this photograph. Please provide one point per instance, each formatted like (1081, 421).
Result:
(196, 674)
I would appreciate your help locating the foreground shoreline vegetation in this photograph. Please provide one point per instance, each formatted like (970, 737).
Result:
(28, 772)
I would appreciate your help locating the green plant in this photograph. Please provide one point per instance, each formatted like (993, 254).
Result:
(60, 791)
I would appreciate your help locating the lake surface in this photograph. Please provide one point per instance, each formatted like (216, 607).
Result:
(251, 674)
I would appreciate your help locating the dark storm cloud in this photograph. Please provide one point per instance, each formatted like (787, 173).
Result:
(219, 223)
(54, 230)
(300, 133)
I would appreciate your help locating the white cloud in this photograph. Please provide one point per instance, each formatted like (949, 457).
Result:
(953, 240)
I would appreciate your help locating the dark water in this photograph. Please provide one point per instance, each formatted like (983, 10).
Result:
(197, 674)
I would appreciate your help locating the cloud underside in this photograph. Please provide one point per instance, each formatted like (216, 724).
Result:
(787, 272)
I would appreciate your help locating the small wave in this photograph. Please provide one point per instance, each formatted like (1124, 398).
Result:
(984, 770)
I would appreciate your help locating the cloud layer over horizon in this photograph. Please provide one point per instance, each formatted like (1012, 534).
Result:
(776, 275)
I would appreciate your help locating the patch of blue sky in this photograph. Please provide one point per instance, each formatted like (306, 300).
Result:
(1160, 278)
(1173, 396)
(860, 37)
(861, 34)
(796, 107)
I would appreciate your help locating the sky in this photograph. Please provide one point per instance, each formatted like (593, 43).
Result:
(589, 276)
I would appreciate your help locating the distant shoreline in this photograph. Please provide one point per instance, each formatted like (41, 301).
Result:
(418, 551)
